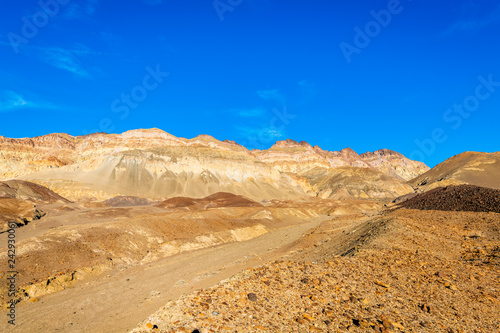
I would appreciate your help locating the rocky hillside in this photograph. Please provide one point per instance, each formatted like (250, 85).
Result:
(473, 168)
(405, 271)
(295, 157)
(351, 182)
(457, 198)
(155, 165)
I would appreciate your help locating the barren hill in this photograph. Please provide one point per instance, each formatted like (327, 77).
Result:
(474, 168)
(216, 200)
(28, 191)
(126, 201)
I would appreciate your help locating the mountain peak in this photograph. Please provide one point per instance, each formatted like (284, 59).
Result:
(381, 153)
(349, 153)
(289, 143)
(144, 131)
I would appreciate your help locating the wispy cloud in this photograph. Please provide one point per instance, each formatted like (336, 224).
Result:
(271, 95)
(10, 100)
(66, 60)
(83, 10)
(69, 59)
(474, 21)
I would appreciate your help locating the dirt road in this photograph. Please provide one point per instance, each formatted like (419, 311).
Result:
(119, 301)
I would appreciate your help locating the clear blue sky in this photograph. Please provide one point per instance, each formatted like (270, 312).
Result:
(334, 73)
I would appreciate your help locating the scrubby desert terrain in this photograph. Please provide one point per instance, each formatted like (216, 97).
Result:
(147, 232)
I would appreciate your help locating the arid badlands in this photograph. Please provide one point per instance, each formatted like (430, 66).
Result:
(147, 232)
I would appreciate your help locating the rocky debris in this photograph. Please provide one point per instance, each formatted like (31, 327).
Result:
(457, 198)
(400, 283)
(217, 200)
(127, 201)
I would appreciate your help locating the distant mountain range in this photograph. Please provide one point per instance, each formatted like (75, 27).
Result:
(153, 164)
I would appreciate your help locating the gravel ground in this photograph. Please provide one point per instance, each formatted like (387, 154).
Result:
(427, 272)
(457, 198)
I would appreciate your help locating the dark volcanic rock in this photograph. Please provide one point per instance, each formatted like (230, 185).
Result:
(457, 198)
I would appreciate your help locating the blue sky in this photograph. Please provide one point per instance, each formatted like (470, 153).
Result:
(419, 77)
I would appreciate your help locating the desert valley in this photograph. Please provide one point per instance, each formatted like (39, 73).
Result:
(147, 232)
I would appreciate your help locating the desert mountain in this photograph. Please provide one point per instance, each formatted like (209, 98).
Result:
(154, 164)
(295, 157)
(473, 168)
(352, 182)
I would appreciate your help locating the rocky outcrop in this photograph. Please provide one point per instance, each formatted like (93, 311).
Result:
(292, 156)
(394, 164)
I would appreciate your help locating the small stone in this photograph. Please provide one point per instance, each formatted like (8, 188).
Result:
(398, 326)
(308, 317)
(425, 308)
(252, 297)
(364, 324)
(378, 283)
(385, 321)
